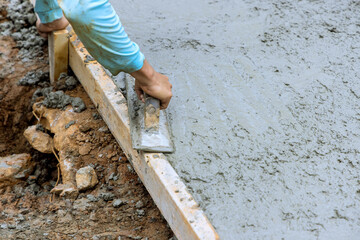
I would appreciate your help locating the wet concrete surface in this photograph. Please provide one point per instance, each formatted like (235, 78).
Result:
(266, 110)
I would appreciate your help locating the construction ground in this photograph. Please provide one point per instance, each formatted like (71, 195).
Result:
(118, 207)
(265, 119)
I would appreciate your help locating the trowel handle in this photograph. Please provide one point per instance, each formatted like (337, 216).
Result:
(151, 112)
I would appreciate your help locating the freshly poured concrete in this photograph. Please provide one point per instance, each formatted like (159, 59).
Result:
(266, 110)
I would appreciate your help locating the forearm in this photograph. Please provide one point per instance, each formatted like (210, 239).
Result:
(99, 28)
(48, 10)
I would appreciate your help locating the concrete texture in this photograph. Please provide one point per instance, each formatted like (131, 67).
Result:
(266, 110)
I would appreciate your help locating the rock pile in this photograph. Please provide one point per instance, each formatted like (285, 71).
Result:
(21, 27)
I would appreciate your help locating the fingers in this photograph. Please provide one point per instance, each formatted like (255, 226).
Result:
(46, 28)
(139, 93)
(164, 104)
(156, 85)
(43, 34)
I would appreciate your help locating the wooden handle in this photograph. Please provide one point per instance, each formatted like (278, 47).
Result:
(151, 113)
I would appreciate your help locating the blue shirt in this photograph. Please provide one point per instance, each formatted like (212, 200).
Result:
(99, 29)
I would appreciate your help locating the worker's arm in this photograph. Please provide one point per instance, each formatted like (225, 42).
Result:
(99, 28)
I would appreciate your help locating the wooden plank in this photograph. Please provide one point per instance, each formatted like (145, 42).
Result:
(176, 204)
(58, 43)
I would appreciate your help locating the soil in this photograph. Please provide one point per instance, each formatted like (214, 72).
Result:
(119, 207)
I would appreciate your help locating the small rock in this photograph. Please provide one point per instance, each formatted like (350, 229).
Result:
(66, 82)
(81, 204)
(113, 176)
(16, 36)
(11, 226)
(61, 213)
(86, 178)
(117, 203)
(78, 104)
(84, 149)
(66, 219)
(104, 129)
(39, 140)
(84, 128)
(139, 204)
(33, 188)
(92, 198)
(93, 216)
(107, 196)
(15, 167)
(71, 82)
(140, 213)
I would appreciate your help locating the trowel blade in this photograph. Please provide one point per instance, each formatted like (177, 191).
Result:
(142, 139)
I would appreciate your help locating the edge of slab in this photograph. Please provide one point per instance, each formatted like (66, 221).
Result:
(169, 193)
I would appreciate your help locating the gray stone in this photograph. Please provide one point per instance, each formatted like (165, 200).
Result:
(139, 204)
(107, 196)
(78, 104)
(117, 203)
(140, 212)
(92, 198)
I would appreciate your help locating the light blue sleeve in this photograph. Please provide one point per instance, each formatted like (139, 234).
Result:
(99, 29)
(48, 10)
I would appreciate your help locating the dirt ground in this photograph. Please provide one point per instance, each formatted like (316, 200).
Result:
(26, 209)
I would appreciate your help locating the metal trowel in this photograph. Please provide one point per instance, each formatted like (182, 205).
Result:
(149, 128)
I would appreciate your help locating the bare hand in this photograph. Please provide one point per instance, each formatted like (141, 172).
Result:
(45, 28)
(153, 83)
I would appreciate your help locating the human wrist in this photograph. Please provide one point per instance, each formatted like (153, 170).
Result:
(145, 75)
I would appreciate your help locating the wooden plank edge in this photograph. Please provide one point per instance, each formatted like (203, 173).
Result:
(169, 193)
(58, 45)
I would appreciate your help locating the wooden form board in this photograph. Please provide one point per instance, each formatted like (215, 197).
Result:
(58, 42)
(58, 53)
(169, 193)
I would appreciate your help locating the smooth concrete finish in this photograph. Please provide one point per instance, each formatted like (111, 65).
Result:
(266, 110)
